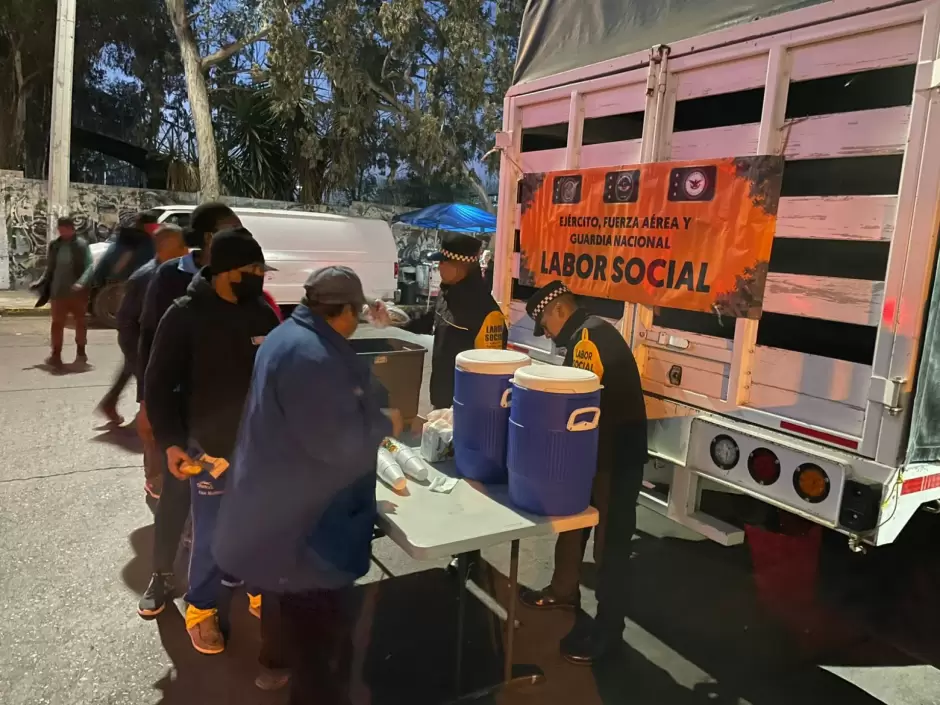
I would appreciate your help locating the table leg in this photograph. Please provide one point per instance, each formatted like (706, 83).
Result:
(463, 568)
(513, 675)
(513, 599)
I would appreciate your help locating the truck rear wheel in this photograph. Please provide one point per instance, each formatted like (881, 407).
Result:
(105, 304)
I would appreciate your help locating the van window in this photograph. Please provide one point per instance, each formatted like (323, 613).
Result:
(180, 219)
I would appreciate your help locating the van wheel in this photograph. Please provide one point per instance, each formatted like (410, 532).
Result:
(105, 305)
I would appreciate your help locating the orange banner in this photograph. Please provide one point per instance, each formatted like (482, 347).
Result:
(691, 235)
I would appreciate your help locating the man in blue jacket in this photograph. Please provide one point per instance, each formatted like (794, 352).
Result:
(299, 510)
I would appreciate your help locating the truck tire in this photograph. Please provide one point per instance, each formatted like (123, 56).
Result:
(105, 304)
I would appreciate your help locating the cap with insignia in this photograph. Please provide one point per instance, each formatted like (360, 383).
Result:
(458, 247)
(540, 300)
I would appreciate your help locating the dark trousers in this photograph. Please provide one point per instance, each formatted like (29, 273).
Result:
(73, 306)
(318, 639)
(123, 376)
(169, 521)
(273, 648)
(614, 495)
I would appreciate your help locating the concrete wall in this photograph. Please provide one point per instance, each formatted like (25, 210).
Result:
(97, 209)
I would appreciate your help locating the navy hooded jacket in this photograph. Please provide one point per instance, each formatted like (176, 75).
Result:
(299, 507)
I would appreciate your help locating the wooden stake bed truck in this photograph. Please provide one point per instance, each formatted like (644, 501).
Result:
(829, 405)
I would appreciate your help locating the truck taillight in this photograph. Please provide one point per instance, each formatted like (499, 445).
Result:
(811, 482)
(396, 270)
(763, 466)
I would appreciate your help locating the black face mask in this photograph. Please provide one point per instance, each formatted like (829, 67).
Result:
(249, 288)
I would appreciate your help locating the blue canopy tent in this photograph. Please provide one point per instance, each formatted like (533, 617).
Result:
(455, 217)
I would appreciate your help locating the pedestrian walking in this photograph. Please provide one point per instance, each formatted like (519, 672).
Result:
(68, 262)
(132, 249)
(197, 380)
(300, 507)
(169, 244)
(465, 317)
(170, 281)
(594, 344)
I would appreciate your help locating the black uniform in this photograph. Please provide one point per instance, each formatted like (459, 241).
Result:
(201, 364)
(466, 317)
(594, 344)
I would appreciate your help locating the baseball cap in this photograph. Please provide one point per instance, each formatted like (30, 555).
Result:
(234, 249)
(335, 285)
(540, 300)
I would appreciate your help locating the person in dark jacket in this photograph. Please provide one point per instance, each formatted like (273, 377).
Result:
(300, 507)
(132, 249)
(465, 317)
(197, 380)
(169, 243)
(170, 281)
(594, 344)
(68, 262)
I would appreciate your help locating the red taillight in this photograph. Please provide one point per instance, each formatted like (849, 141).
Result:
(396, 270)
(763, 466)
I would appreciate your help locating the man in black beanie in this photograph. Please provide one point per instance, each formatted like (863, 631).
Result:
(170, 282)
(197, 381)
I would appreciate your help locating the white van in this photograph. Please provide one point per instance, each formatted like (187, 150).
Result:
(297, 243)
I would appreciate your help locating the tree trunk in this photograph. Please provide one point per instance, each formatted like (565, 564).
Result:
(18, 136)
(198, 94)
(477, 186)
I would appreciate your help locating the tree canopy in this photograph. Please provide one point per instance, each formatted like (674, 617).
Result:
(306, 99)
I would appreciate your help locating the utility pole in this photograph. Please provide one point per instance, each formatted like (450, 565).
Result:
(60, 137)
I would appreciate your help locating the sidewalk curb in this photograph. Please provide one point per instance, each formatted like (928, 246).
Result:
(25, 312)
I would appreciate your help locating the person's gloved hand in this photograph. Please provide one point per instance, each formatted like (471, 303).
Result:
(378, 314)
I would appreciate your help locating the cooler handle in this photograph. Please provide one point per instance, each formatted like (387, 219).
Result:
(584, 425)
(505, 400)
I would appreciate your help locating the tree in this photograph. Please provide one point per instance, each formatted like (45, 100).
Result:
(428, 76)
(195, 68)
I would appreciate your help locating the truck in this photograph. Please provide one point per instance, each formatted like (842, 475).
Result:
(828, 405)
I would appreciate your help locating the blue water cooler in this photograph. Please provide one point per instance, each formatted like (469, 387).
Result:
(481, 411)
(552, 445)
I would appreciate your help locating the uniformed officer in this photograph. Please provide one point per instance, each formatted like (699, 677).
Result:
(466, 316)
(594, 344)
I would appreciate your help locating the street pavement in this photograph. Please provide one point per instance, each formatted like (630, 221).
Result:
(704, 627)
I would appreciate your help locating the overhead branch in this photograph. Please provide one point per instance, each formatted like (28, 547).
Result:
(230, 50)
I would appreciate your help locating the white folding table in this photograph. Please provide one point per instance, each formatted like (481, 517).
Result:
(429, 525)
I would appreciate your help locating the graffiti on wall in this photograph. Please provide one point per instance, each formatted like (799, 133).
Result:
(98, 210)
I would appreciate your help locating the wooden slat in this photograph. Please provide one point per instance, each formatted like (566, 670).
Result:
(856, 134)
(705, 346)
(810, 410)
(829, 298)
(812, 375)
(715, 143)
(728, 77)
(611, 154)
(549, 113)
(690, 361)
(546, 160)
(837, 217)
(896, 46)
(710, 382)
(615, 101)
(862, 133)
